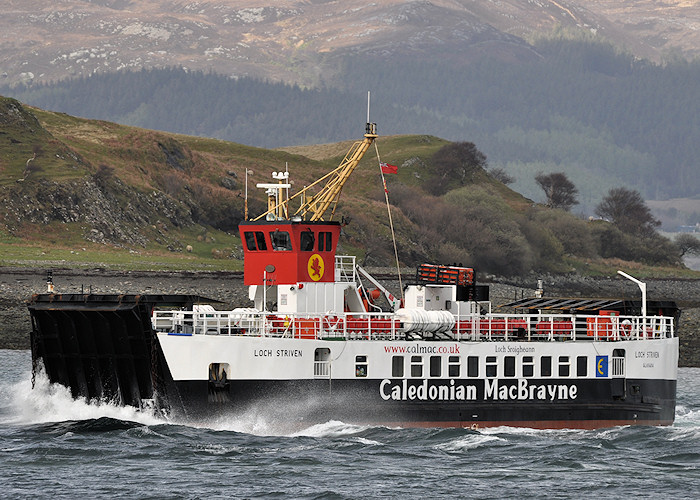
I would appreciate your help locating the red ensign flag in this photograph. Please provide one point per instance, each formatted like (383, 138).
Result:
(389, 169)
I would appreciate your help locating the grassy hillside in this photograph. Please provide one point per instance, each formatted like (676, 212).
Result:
(98, 193)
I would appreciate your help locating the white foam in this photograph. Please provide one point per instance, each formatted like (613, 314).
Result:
(687, 415)
(472, 441)
(686, 425)
(366, 441)
(252, 422)
(332, 428)
(527, 431)
(47, 402)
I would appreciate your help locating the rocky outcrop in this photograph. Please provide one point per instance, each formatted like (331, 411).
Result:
(114, 214)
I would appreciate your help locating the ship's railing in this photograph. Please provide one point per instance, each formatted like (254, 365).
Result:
(235, 322)
(529, 327)
(345, 268)
(386, 326)
(300, 326)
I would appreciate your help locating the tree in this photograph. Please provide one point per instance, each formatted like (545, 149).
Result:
(501, 175)
(687, 244)
(559, 190)
(455, 161)
(103, 175)
(627, 210)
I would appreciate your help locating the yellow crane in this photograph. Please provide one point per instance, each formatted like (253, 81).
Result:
(314, 206)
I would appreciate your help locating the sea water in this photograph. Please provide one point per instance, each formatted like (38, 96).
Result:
(54, 446)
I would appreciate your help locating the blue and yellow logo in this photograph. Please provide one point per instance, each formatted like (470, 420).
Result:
(315, 267)
(601, 366)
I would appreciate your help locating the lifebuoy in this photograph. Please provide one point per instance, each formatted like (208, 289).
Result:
(626, 328)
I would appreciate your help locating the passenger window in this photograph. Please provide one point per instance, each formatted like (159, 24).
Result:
(306, 243)
(472, 366)
(453, 366)
(564, 366)
(582, 366)
(280, 241)
(435, 366)
(416, 366)
(360, 366)
(546, 366)
(509, 366)
(397, 366)
(491, 366)
(528, 366)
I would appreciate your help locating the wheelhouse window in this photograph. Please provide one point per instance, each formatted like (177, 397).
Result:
(453, 366)
(435, 366)
(281, 241)
(397, 366)
(255, 240)
(416, 366)
(360, 366)
(325, 241)
(528, 366)
(306, 242)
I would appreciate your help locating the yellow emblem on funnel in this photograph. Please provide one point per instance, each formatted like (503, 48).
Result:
(315, 267)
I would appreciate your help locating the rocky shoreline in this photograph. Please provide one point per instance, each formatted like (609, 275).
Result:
(18, 284)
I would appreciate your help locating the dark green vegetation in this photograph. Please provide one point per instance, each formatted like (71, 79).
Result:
(604, 118)
(116, 195)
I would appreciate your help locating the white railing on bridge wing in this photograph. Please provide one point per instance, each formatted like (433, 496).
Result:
(345, 268)
(385, 326)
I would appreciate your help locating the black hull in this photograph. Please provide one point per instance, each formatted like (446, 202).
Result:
(358, 402)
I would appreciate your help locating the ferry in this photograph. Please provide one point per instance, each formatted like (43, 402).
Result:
(322, 339)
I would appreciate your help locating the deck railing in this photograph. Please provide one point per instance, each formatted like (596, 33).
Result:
(345, 268)
(386, 326)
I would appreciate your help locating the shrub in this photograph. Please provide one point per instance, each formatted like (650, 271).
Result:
(573, 234)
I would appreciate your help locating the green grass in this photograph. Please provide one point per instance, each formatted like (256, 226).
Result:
(609, 267)
(13, 255)
(63, 246)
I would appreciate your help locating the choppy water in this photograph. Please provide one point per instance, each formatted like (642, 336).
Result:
(53, 446)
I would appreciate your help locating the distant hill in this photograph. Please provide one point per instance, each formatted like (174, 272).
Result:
(69, 182)
(303, 42)
(603, 117)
